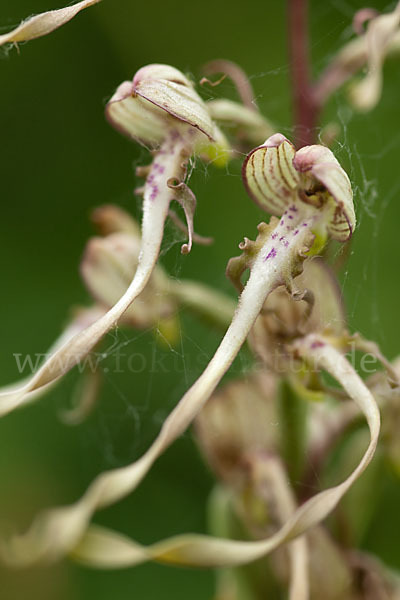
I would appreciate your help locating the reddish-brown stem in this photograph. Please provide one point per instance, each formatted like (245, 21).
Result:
(304, 107)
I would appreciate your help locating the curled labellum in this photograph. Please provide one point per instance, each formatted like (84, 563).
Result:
(105, 548)
(11, 397)
(40, 25)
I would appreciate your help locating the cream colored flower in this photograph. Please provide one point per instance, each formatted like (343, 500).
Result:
(161, 109)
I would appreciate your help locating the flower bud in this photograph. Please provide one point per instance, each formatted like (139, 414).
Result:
(158, 100)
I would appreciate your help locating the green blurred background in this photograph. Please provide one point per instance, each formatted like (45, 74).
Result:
(59, 160)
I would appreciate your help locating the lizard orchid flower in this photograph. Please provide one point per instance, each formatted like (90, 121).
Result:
(281, 180)
(161, 109)
(314, 194)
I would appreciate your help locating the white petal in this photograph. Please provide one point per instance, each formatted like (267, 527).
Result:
(167, 88)
(44, 23)
(133, 117)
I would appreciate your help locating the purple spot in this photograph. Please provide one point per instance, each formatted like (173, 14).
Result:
(154, 192)
(293, 208)
(161, 169)
(296, 232)
(304, 224)
(286, 244)
(281, 238)
(282, 223)
(317, 344)
(271, 254)
(290, 216)
(150, 178)
(274, 236)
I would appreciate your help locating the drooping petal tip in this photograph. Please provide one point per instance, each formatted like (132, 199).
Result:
(44, 23)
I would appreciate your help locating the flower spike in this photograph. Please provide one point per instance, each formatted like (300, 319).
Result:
(43, 24)
(278, 260)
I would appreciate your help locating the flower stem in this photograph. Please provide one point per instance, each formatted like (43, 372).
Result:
(304, 106)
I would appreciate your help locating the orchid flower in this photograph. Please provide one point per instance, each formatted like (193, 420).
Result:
(161, 110)
(313, 195)
(381, 39)
(43, 24)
